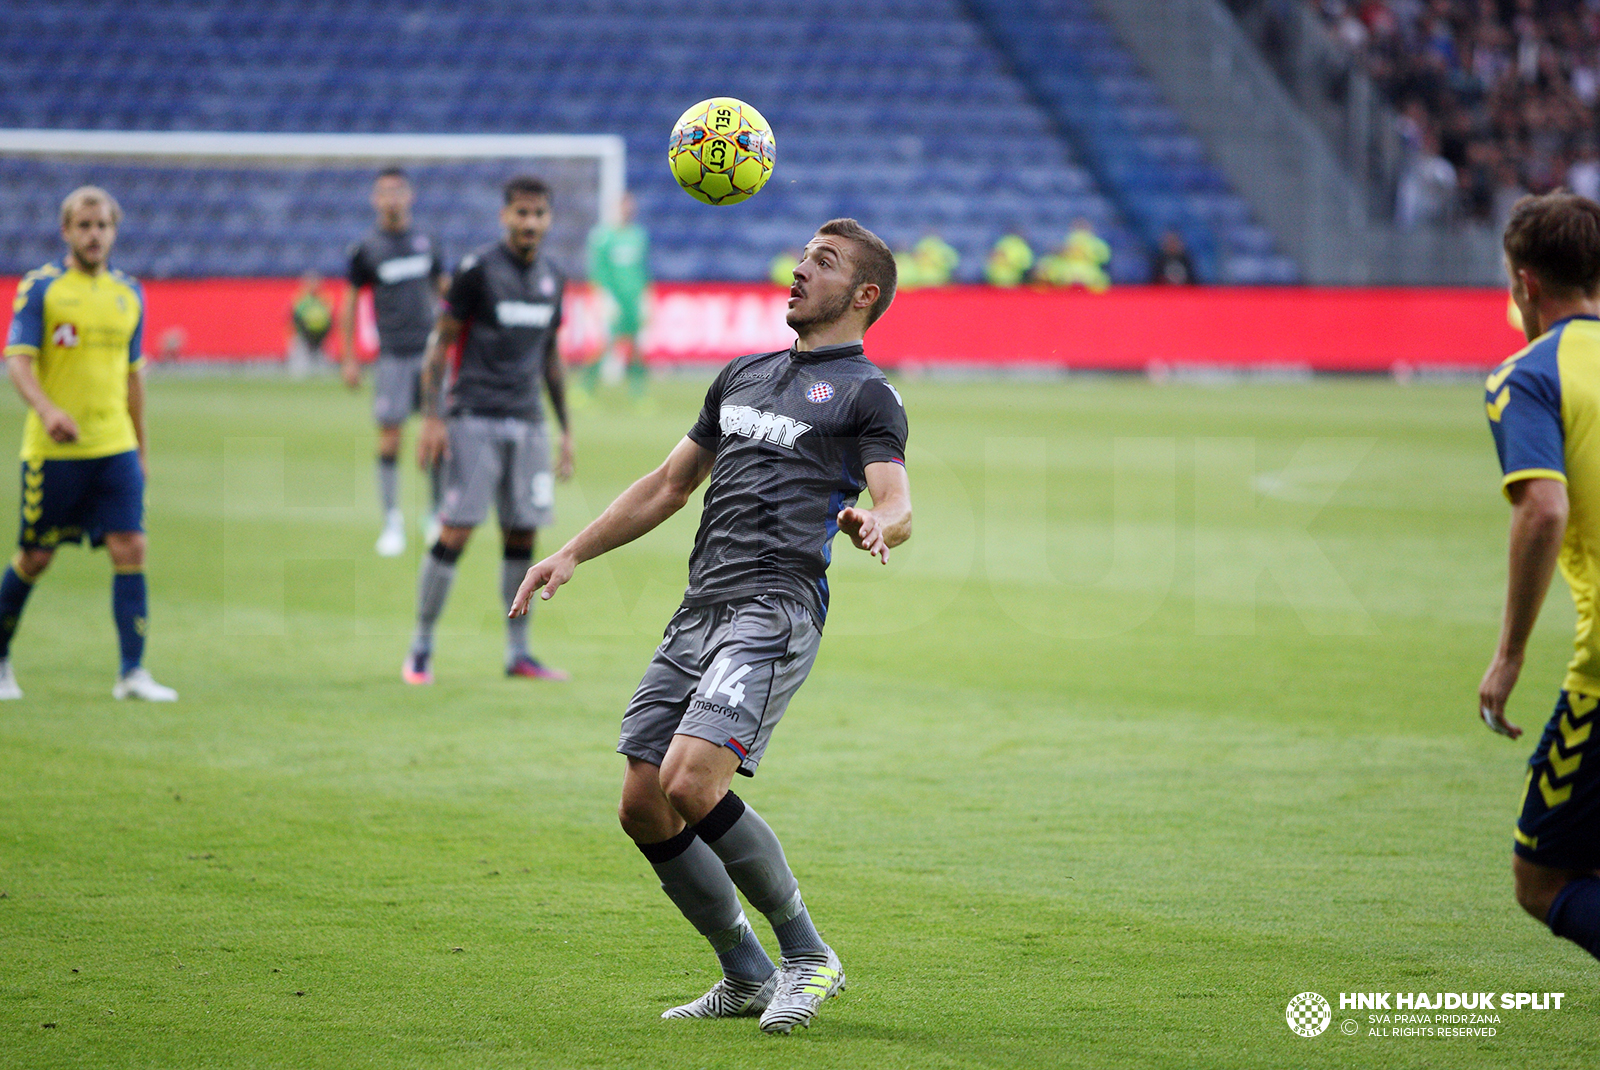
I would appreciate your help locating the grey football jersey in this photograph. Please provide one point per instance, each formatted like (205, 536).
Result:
(793, 433)
(403, 268)
(511, 312)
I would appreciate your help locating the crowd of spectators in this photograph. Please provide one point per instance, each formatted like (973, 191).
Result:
(1495, 98)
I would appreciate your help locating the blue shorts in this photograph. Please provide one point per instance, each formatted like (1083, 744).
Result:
(67, 500)
(1560, 822)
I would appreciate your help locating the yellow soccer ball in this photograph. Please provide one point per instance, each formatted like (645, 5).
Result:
(722, 151)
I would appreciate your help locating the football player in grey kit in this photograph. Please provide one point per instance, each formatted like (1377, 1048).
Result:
(405, 270)
(789, 440)
(504, 305)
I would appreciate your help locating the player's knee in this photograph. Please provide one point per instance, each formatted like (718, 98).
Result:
(452, 541)
(1534, 903)
(1535, 887)
(690, 795)
(636, 820)
(646, 820)
(517, 542)
(32, 562)
(126, 549)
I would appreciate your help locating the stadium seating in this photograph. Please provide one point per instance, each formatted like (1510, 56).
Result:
(923, 118)
(1155, 171)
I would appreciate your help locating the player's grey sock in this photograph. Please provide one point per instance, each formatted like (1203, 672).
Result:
(433, 589)
(698, 885)
(754, 859)
(512, 569)
(792, 925)
(389, 483)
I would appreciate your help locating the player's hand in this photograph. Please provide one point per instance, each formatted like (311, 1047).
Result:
(1493, 692)
(548, 574)
(350, 372)
(433, 443)
(59, 426)
(564, 458)
(865, 531)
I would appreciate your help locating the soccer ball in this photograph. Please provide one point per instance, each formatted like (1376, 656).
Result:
(722, 151)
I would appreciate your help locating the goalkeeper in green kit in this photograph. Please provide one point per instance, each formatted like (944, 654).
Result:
(619, 257)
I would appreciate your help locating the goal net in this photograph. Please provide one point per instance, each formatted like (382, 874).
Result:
(241, 205)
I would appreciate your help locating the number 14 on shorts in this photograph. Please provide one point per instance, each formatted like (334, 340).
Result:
(731, 687)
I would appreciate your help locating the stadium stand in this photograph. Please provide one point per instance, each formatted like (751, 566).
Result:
(1134, 142)
(964, 120)
(1491, 99)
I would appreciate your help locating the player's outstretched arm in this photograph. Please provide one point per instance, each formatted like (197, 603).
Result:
(888, 522)
(433, 441)
(637, 510)
(1538, 525)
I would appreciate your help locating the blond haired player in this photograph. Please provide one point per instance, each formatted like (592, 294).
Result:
(73, 354)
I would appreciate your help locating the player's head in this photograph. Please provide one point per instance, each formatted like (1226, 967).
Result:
(391, 198)
(89, 219)
(1552, 250)
(526, 214)
(845, 271)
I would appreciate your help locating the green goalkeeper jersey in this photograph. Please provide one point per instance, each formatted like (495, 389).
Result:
(619, 261)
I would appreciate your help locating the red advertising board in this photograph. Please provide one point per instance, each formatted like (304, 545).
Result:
(1133, 328)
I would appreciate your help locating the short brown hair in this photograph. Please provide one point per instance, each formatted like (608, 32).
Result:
(89, 195)
(527, 186)
(873, 260)
(1556, 236)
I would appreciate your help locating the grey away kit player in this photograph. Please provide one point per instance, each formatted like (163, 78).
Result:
(789, 440)
(504, 305)
(405, 270)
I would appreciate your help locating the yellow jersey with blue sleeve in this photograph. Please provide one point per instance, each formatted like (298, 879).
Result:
(84, 333)
(1544, 412)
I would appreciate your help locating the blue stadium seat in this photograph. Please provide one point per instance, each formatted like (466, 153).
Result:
(932, 119)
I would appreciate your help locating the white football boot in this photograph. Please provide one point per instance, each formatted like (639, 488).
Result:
(140, 684)
(392, 543)
(802, 986)
(8, 681)
(729, 999)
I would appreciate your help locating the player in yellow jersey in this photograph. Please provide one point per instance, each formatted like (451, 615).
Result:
(73, 354)
(1544, 412)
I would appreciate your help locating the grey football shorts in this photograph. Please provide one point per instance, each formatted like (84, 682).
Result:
(725, 674)
(502, 459)
(396, 388)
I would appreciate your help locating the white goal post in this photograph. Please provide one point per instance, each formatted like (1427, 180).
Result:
(608, 150)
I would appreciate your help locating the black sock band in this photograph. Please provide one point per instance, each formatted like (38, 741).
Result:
(721, 818)
(523, 557)
(388, 462)
(667, 850)
(444, 555)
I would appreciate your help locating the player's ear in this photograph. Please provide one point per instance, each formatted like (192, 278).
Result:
(866, 294)
(1530, 283)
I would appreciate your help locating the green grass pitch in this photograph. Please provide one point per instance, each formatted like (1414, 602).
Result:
(1164, 715)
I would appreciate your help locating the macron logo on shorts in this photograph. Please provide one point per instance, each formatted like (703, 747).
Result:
(404, 268)
(524, 314)
(753, 423)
